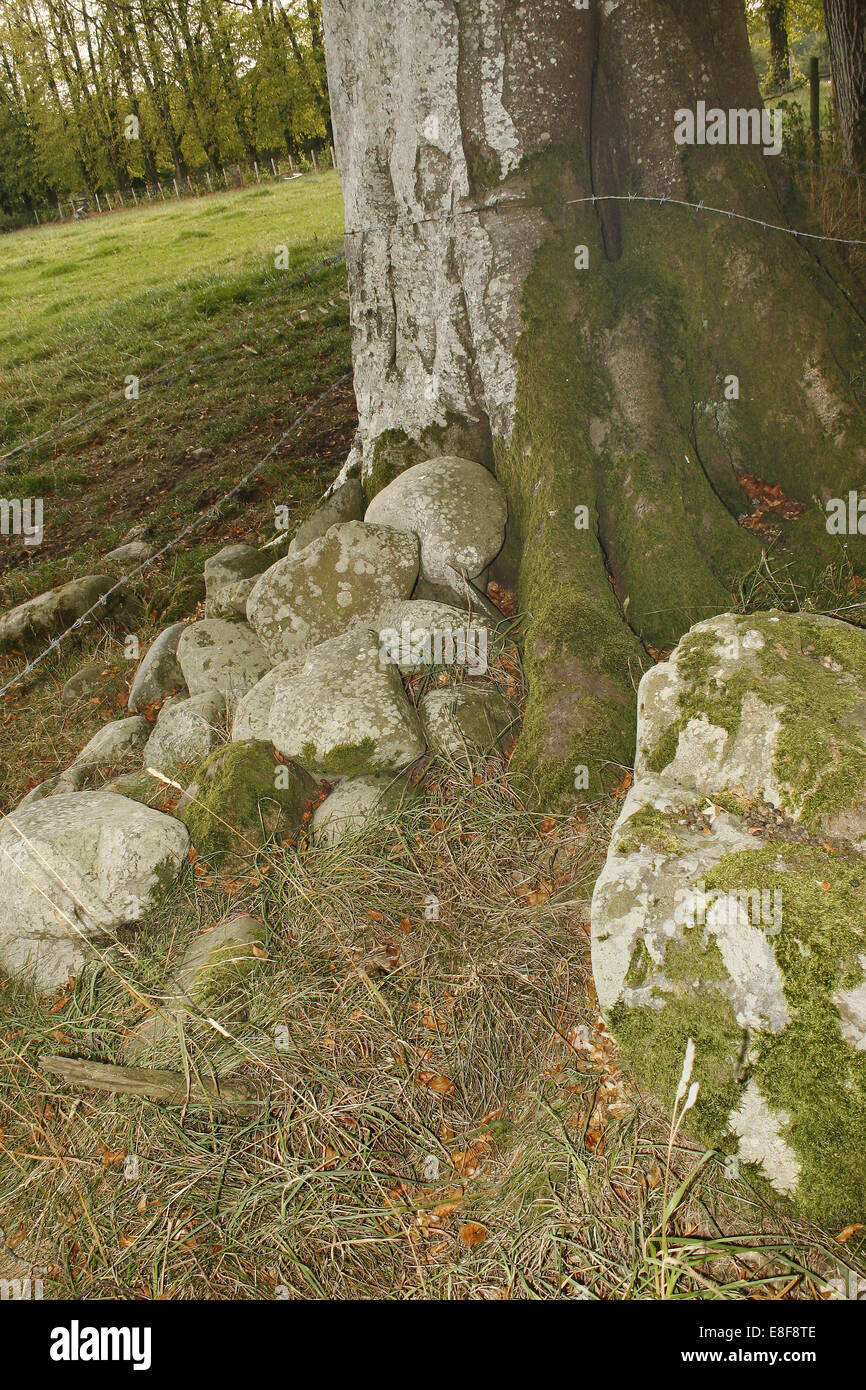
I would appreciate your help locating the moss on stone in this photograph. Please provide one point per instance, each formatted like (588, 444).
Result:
(653, 829)
(344, 759)
(807, 1070)
(237, 784)
(820, 759)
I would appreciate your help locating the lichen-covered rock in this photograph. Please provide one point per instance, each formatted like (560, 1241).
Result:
(457, 510)
(114, 742)
(72, 869)
(229, 577)
(185, 733)
(357, 801)
(252, 717)
(159, 673)
(28, 624)
(345, 503)
(217, 655)
(732, 905)
(344, 576)
(347, 713)
(242, 796)
(464, 722)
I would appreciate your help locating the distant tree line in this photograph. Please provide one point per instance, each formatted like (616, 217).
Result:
(111, 94)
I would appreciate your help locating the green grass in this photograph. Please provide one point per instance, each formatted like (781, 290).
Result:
(187, 291)
(83, 304)
(472, 1039)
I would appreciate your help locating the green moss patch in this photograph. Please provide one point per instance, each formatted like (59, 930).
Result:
(243, 797)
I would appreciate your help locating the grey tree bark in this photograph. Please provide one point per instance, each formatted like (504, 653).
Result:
(471, 139)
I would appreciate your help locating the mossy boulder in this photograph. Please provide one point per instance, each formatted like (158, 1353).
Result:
(31, 622)
(242, 796)
(346, 714)
(732, 906)
(345, 503)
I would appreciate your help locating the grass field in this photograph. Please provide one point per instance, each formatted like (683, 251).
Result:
(448, 1117)
(228, 350)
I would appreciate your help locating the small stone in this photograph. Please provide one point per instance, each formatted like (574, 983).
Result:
(345, 503)
(252, 717)
(126, 558)
(159, 674)
(72, 780)
(357, 801)
(212, 962)
(229, 577)
(114, 742)
(185, 733)
(84, 682)
(465, 722)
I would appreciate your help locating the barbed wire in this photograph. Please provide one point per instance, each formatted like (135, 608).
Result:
(514, 202)
(211, 512)
(707, 207)
(157, 377)
(818, 164)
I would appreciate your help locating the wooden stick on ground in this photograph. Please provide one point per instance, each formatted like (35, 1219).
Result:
(151, 1084)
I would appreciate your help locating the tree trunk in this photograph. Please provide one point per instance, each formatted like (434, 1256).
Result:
(471, 141)
(846, 35)
(776, 13)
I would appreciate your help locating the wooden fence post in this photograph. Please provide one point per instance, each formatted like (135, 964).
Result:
(313, 157)
(815, 104)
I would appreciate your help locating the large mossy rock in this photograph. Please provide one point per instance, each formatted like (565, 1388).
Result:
(339, 579)
(73, 868)
(242, 796)
(183, 599)
(457, 510)
(732, 905)
(346, 714)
